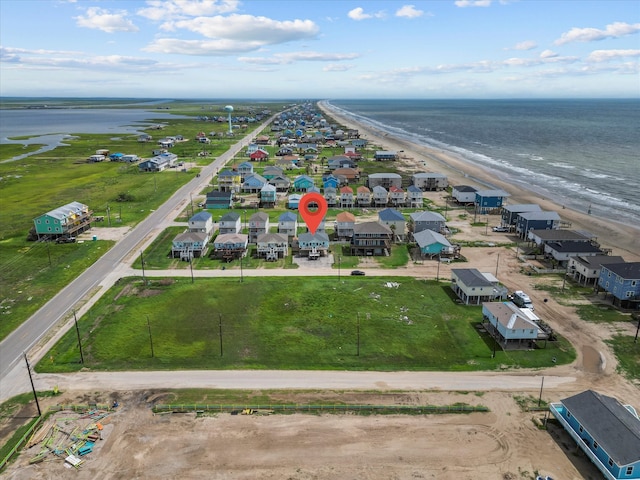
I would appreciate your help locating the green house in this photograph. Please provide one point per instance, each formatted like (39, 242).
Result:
(65, 221)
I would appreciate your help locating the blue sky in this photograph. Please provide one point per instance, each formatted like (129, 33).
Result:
(310, 49)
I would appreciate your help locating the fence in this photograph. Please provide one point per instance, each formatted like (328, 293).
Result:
(373, 409)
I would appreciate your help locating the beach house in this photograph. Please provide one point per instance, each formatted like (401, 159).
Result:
(542, 220)
(487, 201)
(395, 221)
(622, 282)
(371, 238)
(430, 181)
(63, 222)
(432, 244)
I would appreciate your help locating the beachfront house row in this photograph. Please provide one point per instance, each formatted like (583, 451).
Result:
(474, 287)
(313, 245)
(189, 245)
(430, 181)
(395, 221)
(345, 222)
(288, 224)
(258, 224)
(487, 201)
(509, 214)
(386, 180)
(426, 220)
(293, 201)
(230, 246)
(397, 196)
(272, 246)
(536, 221)
(512, 327)
(219, 200)
(432, 244)
(230, 223)
(622, 281)
(63, 222)
(371, 238)
(586, 270)
(464, 194)
(607, 431)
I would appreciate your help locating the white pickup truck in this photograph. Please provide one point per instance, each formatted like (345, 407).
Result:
(521, 299)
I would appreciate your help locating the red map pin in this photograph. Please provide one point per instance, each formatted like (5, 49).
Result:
(312, 218)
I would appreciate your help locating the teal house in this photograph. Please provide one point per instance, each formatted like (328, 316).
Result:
(431, 243)
(303, 183)
(65, 221)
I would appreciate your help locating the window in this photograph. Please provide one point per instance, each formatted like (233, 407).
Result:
(630, 294)
(629, 470)
(611, 462)
(581, 429)
(568, 414)
(595, 445)
(634, 283)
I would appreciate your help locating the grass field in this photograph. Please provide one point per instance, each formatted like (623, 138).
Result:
(287, 323)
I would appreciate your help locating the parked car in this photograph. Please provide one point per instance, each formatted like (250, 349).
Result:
(357, 272)
(500, 229)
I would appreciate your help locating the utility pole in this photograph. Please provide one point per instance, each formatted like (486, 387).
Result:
(33, 388)
(540, 397)
(144, 280)
(497, 263)
(220, 329)
(75, 319)
(49, 252)
(150, 338)
(438, 270)
(358, 332)
(191, 266)
(635, 340)
(109, 214)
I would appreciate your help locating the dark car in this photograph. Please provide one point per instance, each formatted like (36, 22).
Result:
(357, 272)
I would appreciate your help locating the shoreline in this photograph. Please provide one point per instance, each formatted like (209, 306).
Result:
(623, 239)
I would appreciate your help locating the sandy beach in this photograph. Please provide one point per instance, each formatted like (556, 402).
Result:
(622, 238)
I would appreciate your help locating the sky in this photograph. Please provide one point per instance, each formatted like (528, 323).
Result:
(329, 49)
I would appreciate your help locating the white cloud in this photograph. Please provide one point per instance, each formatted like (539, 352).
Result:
(526, 45)
(358, 14)
(293, 57)
(614, 30)
(100, 19)
(337, 67)
(548, 54)
(607, 55)
(219, 47)
(249, 28)
(472, 3)
(409, 11)
(178, 9)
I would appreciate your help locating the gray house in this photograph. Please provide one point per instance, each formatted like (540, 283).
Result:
(385, 180)
(510, 212)
(427, 221)
(473, 287)
(272, 246)
(430, 181)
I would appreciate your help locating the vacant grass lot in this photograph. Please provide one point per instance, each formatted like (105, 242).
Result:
(287, 323)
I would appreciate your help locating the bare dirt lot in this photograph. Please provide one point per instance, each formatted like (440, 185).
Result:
(502, 444)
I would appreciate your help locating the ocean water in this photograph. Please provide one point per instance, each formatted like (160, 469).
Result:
(583, 154)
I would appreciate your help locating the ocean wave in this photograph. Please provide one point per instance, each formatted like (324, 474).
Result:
(562, 165)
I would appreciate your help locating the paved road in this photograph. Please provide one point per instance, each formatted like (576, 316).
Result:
(98, 278)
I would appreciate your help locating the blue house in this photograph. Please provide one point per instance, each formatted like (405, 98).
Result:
(220, 200)
(510, 212)
(253, 183)
(268, 195)
(330, 181)
(509, 325)
(606, 431)
(622, 280)
(293, 201)
(536, 221)
(431, 243)
(303, 183)
(489, 200)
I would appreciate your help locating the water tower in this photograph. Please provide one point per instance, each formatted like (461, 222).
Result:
(229, 109)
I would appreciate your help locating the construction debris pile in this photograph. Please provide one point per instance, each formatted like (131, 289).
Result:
(69, 436)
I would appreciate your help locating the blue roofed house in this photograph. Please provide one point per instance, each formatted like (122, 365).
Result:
(288, 224)
(607, 431)
(395, 221)
(431, 244)
(202, 222)
(487, 201)
(622, 281)
(268, 195)
(244, 169)
(302, 183)
(253, 183)
(543, 220)
(330, 181)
